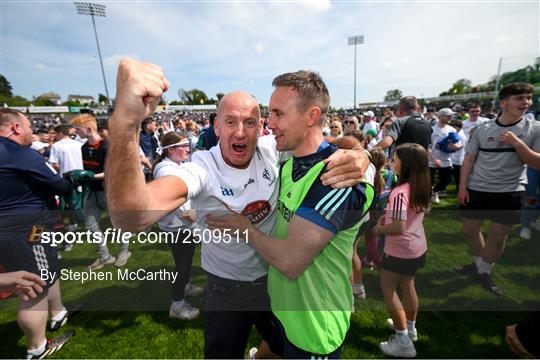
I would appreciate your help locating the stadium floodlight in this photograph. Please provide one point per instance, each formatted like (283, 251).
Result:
(355, 40)
(93, 9)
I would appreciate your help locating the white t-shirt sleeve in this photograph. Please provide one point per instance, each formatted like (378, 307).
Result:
(193, 175)
(53, 157)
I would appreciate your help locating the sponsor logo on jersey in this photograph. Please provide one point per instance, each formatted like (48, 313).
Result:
(284, 211)
(257, 211)
(226, 191)
(250, 181)
(269, 177)
(490, 139)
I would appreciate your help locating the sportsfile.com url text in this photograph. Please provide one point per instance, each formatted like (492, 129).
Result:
(111, 236)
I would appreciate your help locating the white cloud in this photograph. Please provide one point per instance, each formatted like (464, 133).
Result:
(317, 5)
(259, 48)
(40, 66)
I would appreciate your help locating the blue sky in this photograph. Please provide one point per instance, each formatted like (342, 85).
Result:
(420, 48)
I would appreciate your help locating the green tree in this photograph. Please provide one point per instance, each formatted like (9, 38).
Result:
(462, 86)
(193, 97)
(392, 95)
(13, 101)
(219, 95)
(43, 102)
(5, 87)
(72, 103)
(102, 99)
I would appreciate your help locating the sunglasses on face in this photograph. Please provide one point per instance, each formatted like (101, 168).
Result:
(334, 127)
(348, 122)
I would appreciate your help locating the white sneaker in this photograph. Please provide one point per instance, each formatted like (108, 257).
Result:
(252, 352)
(359, 291)
(435, 198)
(99, 263)
(193, 290)
(122, 259)
(394, 348)
(535, 226)
(185, 312)
(525, 233)
(413, 334)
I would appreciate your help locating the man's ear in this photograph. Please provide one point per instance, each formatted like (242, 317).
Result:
(314, 116)
(216, 126)
(16, 128)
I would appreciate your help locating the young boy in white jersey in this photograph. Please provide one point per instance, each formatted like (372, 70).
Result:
(492, 178)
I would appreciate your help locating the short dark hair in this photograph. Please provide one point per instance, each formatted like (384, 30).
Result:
(62, 129)
(212, 118)
(408, 104)
(518, 88)
(310, 87)
(147, 121)
(8, 116)
(474, 105)
(357, 134)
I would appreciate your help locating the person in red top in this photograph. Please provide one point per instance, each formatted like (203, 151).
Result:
(94, 152)
(405, 246)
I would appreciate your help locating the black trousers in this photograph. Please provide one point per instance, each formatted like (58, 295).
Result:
(456, 170)
(231, 309)
(182, 252)
(445, 176)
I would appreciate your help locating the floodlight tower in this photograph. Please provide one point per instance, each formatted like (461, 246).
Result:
(355, 40)
(92, 9)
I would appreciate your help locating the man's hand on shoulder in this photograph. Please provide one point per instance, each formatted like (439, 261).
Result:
(345, 168)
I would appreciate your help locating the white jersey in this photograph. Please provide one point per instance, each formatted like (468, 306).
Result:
(67, 154)
(437, 135)
(172, 221)
(371, 125)
(469, 126)
(459, 156)
(253, 192)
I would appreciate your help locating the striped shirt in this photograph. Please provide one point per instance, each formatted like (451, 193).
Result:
(412, 243)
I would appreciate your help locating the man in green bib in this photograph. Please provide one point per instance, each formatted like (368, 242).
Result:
(311, 246)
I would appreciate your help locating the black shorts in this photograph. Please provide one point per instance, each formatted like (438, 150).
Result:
(231, 309)
(407, 267)
(18, 253)
(502, 208)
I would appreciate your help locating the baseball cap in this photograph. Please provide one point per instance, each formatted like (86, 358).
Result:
(445, 112)
(369, 113)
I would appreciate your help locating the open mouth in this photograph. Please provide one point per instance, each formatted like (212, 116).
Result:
(239, 148)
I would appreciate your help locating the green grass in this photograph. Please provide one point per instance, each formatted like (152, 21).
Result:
(457, 320)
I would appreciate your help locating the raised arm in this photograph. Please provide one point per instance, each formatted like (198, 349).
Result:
(133, 204)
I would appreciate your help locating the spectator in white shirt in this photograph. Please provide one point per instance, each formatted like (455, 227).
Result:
(440, 161)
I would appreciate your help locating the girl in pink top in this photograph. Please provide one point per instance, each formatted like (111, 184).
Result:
(405, 246)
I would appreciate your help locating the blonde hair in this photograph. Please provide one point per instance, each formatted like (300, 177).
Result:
(85, 120)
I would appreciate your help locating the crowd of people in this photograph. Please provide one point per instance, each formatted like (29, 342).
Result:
(303, 187)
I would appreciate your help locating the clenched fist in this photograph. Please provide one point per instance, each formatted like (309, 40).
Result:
(139, 87)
